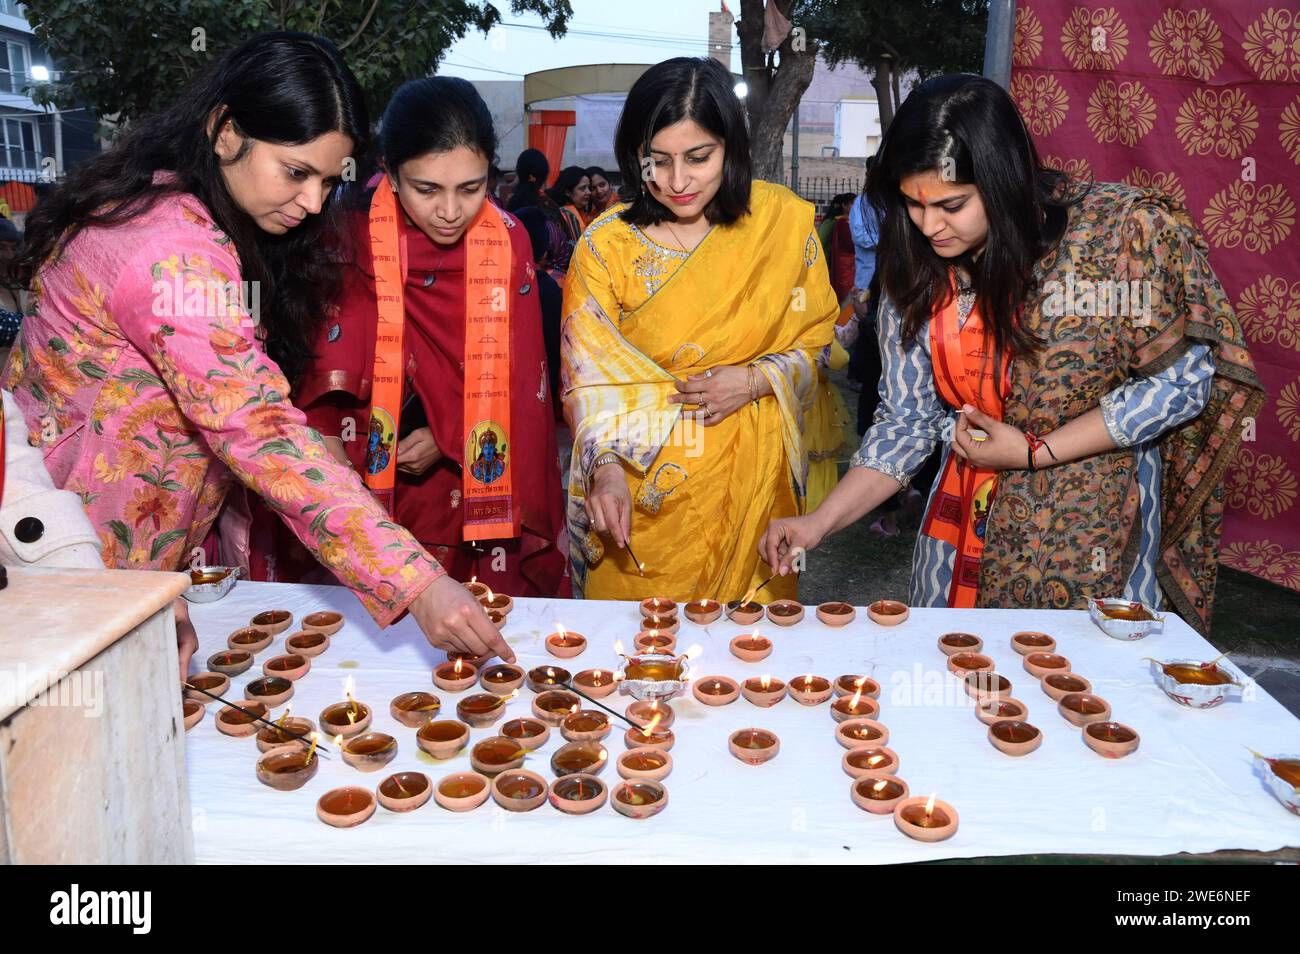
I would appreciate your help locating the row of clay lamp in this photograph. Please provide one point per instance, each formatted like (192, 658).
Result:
(1007, 717)
(781, 612)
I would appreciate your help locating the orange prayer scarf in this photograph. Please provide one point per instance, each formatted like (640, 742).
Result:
(963, 374)
(487, 478)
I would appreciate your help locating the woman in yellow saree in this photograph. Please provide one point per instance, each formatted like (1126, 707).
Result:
(688, 349)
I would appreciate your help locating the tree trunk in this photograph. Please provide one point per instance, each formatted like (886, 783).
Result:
(773, 93)
(884, 94)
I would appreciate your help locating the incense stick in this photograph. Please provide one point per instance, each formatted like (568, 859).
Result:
(751, 594)
(278, 728)
(576, 691)
(640, 568)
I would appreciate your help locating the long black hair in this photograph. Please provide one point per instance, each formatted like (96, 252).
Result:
(968, 127)
(695, 88)
(434, 115)
(565, 182)
(531, 170)
(284, 88)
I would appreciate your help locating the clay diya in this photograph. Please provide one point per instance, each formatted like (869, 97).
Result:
(250, 639)
(836, 613)
(271, 622)
(847, 685)
(287, 769)
(1015, 738)
(493, 755)
(644, 711)
(640, 798)
(1000, 709)
(501, 679)
(272, 690)
(925, 819)
(230, 662)
(414, 709)
(462, 791)
(703, 612)
(481, 709)
(519, 790)
(1280, 775)
(754, 746)
(585, 725)
(650, 736)
(854, 733)
(370, 751)
(597, 683)
(668, 625)
(192, 713)
(655, 642)
(214, 682)
(654, 764)
(530, 734)
(497, 619)
(716, 690)
(1058, 684)
(404, 791)
(785, 612)
(658, 606)
(442, 739)
(1199, 685)
(950, 643)
(810, 690)
(477, 589)
(751, 648)
(986, 685)
(961, 663)
(546, 677)
(578, 794)
(1111, 740)
(292, 667)
(242, 721)
(454, 676)
(866, 761)
(345, 807)
(763, 691)
(552, 706)
(323, 621)
(746, 614)
(887, 612)
(496, 603)
(574, 758)
(309, 643)
(345, 718)
(288, 731)
(856, 706)
(1039, 665)
(1080, 708)
(1032, 642)
(878, 794)
(564, 644)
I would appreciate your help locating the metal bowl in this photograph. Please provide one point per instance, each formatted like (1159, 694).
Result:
(1283, 791)
(210, 592)
(1126, 629)
(653, 688)
(1195, 695)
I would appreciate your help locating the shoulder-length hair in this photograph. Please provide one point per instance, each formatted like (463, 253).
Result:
(967, 129)
(694, 88)
(284, 88)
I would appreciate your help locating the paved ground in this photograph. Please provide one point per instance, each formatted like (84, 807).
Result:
(1256, 622)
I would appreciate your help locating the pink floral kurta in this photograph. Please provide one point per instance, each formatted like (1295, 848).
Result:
(149, 404)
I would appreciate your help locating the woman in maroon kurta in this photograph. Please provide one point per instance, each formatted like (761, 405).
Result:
(437, 163)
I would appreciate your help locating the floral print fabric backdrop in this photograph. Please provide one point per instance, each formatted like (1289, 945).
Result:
(1201, 100)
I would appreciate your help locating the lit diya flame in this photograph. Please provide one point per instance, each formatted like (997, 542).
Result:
(695, 650)
(748, 596)
(338, 742)
(459, 667)
(349, 684)
(879, 786)
(618, 647)
(561, 632)
(859, 682)
(490, 595)
(857, 697)
(765, 682)
(877, 759)
(929, 807)
(649, 730)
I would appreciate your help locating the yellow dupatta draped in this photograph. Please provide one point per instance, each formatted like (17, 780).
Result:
(755, 291)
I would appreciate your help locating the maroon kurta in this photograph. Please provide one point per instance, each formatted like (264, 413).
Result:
(336, 386)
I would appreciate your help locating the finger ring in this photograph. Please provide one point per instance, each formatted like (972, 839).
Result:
(706, 409)
(709, 373)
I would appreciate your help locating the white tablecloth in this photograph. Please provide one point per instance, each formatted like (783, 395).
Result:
(1190, 787)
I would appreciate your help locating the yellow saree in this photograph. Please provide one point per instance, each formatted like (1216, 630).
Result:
(637, 318)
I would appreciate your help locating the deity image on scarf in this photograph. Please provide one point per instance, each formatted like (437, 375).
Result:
(379, 443)
(487, 452)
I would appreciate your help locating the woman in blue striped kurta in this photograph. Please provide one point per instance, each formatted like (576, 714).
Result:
(1068, 347)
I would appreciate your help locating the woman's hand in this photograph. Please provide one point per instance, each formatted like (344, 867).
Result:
(609, 503)
(719, 392)
(453, 619)
(187, 639)
(787, 539)
(417, 452)
(1005, 447)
